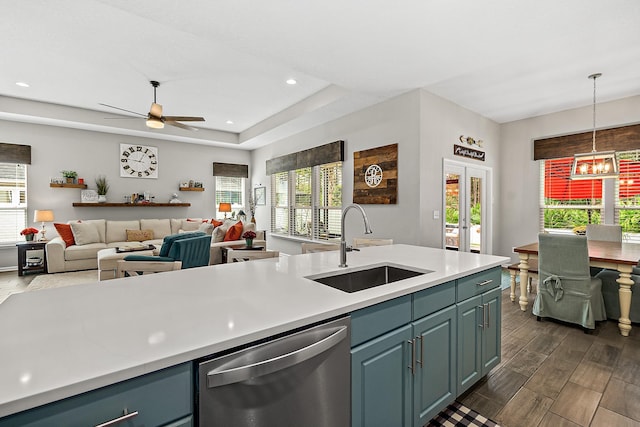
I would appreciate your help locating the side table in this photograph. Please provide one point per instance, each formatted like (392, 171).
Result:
(23, 248)
(224, 250)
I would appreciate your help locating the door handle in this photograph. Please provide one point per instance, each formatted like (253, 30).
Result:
(126, 416)
(481, 325)
(421, 360)
(412, 367)
(275, 363)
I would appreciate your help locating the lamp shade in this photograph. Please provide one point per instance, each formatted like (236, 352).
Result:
(225, 207)
(43, 216)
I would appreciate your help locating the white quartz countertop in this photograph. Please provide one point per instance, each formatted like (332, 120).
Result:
(57, 343)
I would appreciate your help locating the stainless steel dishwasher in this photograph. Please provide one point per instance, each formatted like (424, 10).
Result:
(301, 379)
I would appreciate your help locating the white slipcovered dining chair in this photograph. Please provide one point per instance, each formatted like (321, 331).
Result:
(566, 290)
(604, 232)
(241, 256)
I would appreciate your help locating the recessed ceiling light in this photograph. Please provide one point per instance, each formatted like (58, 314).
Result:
(229, 122)
(291, 81)
(22, 84)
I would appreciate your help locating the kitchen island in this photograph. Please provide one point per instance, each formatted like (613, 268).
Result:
(63, 342)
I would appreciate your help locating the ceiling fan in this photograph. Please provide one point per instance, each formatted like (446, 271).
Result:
(156, 120)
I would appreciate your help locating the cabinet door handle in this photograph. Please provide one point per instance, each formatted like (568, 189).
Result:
(485, 283)
(488, 316)
(126, 416)
(421, 360)
(481, 325)
(412, 367)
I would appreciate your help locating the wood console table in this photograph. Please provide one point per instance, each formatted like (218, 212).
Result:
(131, 205)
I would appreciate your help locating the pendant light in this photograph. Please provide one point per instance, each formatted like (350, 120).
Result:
(596, 164)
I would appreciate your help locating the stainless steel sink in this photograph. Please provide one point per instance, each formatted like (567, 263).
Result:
(366, 278)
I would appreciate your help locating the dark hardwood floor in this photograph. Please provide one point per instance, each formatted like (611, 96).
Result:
(554, 374)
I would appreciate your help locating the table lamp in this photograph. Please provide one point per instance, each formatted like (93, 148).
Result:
(43, 216)
(225, 207)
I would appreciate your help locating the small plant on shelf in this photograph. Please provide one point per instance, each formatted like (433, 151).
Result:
(70, 175)
(29, 233)
(102, 184)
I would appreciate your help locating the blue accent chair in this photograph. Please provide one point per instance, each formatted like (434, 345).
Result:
(193, 249)
(566, 290)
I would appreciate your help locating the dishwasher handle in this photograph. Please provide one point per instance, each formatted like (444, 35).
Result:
(274, 364)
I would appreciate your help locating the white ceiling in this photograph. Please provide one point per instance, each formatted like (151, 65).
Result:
(228, 60)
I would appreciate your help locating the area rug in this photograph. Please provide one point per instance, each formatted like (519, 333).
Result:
(58, 280)
(458, 415)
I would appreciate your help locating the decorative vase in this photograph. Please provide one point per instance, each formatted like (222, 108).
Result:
(253, 219)
(249, 242)
(102, 198)
(69, 180)
(29, 237)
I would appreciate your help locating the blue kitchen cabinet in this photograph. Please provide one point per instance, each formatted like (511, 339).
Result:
(479, 326)
(381, 381)
(162, 398)
(405, 376)
(434, 382)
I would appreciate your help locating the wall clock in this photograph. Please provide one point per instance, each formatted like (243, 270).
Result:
(138, 161)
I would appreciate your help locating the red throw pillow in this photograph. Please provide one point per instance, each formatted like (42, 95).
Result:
(234, 232)
(216, 223)
(64, 230)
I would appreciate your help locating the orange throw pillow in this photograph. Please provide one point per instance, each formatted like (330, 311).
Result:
(234, 232)
(216, 223)
(64, 230)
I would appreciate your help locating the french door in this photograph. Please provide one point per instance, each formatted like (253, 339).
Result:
(467, 222)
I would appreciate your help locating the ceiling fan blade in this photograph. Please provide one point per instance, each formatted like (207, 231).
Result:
(156, 110)
(184, 118)
(122, 109)
(179, 125)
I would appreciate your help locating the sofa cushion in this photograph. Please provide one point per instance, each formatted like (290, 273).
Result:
(234, 232)
(85, 233)
(64, 230)
(139, 235)
(117, 230)
(160, 227)
(216, 223)
(190, 225)
(87, 251)
(219, 233)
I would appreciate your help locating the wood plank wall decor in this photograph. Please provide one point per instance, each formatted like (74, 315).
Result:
(624, 138)
(375, 176)
(15, 153)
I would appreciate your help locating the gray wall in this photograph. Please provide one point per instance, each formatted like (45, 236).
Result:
(425, 128)
(93, 153)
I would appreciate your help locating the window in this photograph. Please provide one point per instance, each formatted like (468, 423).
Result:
(13, 201)
(229, 190)
(566, 204)
(307, 202)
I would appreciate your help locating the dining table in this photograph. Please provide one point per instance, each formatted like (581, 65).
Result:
(613, 255)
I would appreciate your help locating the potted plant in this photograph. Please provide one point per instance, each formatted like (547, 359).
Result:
(248, 237)
(103, 187)
(70, 176)
(29, 233)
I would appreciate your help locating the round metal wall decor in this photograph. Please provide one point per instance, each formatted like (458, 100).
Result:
(373, 176)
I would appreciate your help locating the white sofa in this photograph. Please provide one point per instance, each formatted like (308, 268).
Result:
(103, 234)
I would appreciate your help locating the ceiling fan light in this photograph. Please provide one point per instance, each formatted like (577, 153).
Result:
(155, 123)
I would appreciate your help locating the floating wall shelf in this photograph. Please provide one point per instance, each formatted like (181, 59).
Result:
(131, 205)
(83, 186)
(191, 189)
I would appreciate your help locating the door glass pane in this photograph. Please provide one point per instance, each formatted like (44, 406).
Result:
(452, 222)
(475, 199)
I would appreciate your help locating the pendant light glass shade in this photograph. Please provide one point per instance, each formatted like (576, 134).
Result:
(594, 165)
